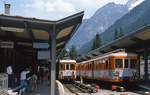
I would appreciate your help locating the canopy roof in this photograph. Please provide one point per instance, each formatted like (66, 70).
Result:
(135, 41)
(26, 31)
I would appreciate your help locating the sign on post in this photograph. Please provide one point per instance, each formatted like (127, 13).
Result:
(44, 55)
(41, 45)
(6, 44)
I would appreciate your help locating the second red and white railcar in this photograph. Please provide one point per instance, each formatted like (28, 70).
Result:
(114, 67)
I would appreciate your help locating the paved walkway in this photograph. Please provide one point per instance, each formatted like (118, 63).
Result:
(42, 90)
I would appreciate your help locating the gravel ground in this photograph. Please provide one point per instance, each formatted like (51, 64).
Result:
(108, 92)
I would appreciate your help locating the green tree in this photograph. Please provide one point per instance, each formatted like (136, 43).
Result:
(121, 33)
(116, 34)
(96, 42)
(73, 52)
(63, 53)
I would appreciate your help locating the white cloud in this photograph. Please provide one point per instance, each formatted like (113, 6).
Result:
(57, 9)
(59, 6)
(51, 6)
(48, 8)
(90, 6)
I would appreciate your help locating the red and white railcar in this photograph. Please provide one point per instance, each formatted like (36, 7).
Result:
(67, 69)
(114, 67)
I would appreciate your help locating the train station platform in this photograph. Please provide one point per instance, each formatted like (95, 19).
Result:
(61, 90)
(44, 89)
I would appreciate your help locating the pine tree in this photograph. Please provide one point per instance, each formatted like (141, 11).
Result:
(121, 32)
(116, 34)
(73, 52)
(63, 53)
(96, 42)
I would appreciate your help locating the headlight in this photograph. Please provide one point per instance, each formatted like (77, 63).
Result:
(116, 73)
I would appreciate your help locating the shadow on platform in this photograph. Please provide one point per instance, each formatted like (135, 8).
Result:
(43, 89)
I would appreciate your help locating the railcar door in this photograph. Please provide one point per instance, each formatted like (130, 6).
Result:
(134, 68)
(130, 67)
(92, 66)
(119, 67)
(127, 71)
(73, 69)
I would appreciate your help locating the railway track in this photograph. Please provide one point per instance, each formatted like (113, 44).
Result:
(72, 89)
(135, 88)
(77, 88)
(139, 90)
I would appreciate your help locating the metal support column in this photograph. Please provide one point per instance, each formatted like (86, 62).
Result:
(53, 61)
(146, 64)
(139, 70)
(5, 59)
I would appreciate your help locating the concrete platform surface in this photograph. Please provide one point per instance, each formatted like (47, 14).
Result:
(43, 89)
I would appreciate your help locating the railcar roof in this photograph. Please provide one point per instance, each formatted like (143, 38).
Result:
(67, 61)
(111, 55)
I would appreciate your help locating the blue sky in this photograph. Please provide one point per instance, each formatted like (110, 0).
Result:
(54, 9)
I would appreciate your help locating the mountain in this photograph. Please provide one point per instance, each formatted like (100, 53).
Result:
(133, 3)
(99, 22)
(131, 22)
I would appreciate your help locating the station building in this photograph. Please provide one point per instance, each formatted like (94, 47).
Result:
(18, 35)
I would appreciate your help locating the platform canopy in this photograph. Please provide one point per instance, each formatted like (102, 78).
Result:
(26, 31)
(135, 41)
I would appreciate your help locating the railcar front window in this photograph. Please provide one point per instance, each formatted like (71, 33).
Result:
(67, 66)
(133, 63)
(118, 63)
(126, 63)
(72, 66)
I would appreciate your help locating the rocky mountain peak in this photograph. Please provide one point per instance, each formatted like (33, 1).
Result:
(103, 18)
(133, 3)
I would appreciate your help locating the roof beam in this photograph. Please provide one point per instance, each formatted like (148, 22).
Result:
(70, 18)
(29, 30)
(19, 39)
(31, 20)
